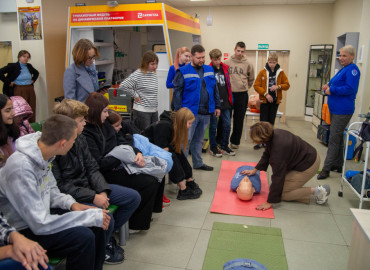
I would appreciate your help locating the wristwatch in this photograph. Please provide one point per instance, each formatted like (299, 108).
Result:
(279, 87)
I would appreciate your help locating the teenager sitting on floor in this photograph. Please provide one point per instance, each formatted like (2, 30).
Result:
(77, 174)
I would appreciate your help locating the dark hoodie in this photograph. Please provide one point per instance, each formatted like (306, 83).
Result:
(272, 80)
(161, 133)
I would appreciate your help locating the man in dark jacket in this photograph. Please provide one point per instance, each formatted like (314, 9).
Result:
(77, 173)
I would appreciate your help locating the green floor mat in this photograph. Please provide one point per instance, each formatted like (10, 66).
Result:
(232, 241)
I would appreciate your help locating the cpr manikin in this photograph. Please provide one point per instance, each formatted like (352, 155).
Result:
(245, 186)
(245, 189)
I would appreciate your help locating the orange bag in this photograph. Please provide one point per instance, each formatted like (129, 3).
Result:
(325, 113)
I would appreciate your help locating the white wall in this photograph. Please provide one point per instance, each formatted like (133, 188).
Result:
(284, 27)
(36, 48)
(353, 16)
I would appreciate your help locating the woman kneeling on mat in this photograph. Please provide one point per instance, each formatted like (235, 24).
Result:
(293, 161)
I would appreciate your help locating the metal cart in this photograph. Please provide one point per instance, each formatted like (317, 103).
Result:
(354, 130)
(120, 101)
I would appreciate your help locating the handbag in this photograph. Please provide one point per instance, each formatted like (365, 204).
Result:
(365, 137)
(365, 131)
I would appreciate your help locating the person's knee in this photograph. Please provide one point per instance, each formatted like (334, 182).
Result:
(84, 236)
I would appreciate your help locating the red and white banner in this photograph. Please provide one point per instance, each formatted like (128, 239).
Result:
(116, 16)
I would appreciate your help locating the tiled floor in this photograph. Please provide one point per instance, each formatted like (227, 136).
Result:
(315, 237)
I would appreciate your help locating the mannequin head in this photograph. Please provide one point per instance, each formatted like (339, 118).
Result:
(245, 189)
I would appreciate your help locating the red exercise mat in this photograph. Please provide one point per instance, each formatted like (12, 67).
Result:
(226, 201)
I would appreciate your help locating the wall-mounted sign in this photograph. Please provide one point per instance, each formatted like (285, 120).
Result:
(263, 46)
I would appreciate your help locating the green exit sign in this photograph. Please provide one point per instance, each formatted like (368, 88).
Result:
(263, 46)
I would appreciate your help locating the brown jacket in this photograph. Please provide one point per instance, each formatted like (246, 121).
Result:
(285, 152)
(262, 81)
(241, 73)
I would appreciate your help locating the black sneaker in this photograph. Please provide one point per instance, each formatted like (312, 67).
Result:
(113, 256)
(194, 186)
(204, 167)
(114, 243)
(213, 151)
(258, 146)
(227, 151)
(187, 194)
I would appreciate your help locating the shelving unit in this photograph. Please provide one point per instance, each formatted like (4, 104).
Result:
(319, 68)
(103, 39)
(349, 38)
(353, 129)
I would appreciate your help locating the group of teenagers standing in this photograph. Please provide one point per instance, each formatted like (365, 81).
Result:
(55, 186)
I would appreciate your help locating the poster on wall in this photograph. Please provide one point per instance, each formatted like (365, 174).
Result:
(30, 23)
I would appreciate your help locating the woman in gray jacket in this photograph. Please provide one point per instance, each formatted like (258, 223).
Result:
(81, 78)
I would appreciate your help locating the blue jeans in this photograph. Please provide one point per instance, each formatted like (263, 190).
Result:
(10, 264)
(226, 127)
(195, 139)
(83, 247)
(127, 200)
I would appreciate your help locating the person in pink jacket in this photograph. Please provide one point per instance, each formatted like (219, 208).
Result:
(22, 113)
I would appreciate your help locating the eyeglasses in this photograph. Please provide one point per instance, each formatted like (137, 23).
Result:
(92, 57)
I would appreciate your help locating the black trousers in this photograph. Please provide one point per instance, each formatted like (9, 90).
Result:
(147, 186)
(240, 107)
(80, 245)
(181, 168)
(268, 112)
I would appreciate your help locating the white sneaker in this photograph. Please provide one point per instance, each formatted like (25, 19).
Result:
(234, 146)
(321, 194)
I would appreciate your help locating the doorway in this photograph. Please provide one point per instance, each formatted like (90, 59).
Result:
(5, 56)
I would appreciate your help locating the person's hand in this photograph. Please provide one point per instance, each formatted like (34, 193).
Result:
(217, 112)
(101, 200)
(249, 172)
(269, 98)
(81, 207)
(27, 252)
(264, 206)
(326, 86)
(166, 149)
(12, 84)
(327, 91)
(137, 100)
(139, 160)
(106, 220)
(274, 88)
(32, 81)
(103, 91)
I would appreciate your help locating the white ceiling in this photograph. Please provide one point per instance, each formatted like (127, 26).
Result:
(212, 3)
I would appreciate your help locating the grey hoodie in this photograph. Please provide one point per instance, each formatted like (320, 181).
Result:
(28, 190)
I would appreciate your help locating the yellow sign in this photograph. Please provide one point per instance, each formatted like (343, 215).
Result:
(118, 108)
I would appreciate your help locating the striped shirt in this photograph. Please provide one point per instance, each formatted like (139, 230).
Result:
(5, 231)
(144, 86)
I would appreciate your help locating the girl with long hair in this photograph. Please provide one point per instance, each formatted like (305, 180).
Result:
(102, 139)
(9, 131)
(182, 57)
(171, 134)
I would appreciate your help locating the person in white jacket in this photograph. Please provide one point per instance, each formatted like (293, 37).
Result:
(28, 191)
